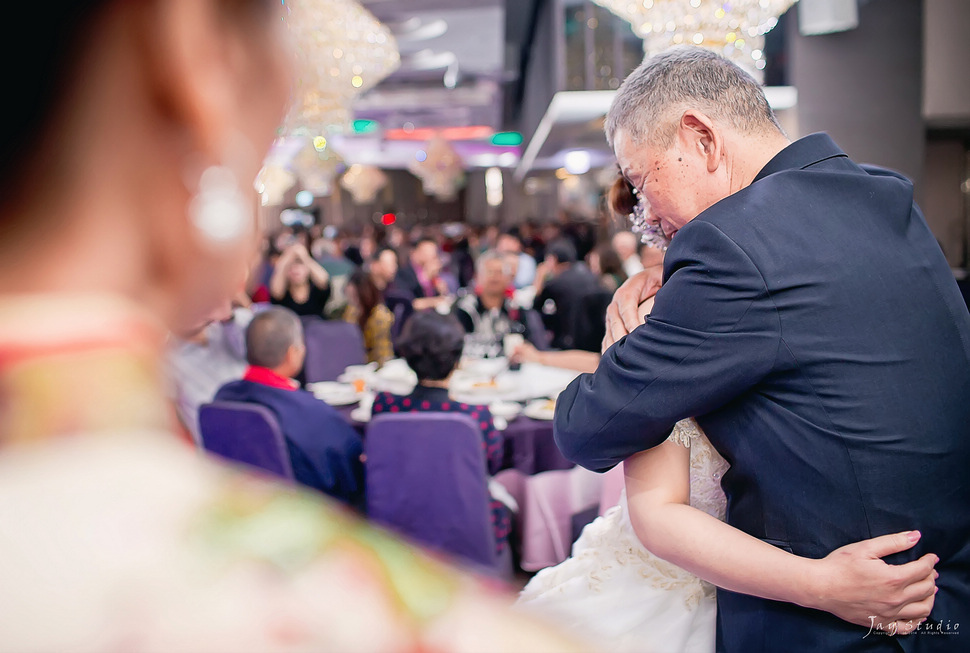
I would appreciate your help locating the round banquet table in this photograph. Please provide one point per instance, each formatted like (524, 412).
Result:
(529, 444)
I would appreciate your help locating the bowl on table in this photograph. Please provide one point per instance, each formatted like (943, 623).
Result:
(507, 410)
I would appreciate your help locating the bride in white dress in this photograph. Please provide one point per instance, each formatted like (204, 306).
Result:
(620, 594)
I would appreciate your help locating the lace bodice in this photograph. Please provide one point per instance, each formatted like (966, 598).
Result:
(706, 468)
(609, 552)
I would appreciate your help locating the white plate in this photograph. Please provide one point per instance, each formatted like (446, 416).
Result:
(541, 409)
(507, 410)
(483, 386)
(335, 394)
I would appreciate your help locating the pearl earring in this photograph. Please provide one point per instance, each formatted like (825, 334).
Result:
(218, 211)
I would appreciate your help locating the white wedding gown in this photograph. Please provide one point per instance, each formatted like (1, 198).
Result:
(616, 593)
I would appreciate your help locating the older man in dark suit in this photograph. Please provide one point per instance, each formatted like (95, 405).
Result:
(778, 326)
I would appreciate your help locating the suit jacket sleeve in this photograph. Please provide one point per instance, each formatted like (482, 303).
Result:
(713, 334)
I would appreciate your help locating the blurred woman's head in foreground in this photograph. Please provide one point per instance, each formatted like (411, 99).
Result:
(132, 146)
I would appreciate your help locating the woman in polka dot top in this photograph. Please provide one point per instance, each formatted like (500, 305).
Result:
(431, 344)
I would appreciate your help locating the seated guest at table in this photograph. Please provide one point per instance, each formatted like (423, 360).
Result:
(627, 246)
(324, 450)
(510, 242)
(489, 311)
(605, 263)
(201, 359)
(299, 283)
(420, 279)
(365, 308)
(328, 255)
(431, 344)
(561, 284)
(383, 267)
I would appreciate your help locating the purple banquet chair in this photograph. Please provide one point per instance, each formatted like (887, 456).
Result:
(426, 480)
(331, 345)
(245, 433)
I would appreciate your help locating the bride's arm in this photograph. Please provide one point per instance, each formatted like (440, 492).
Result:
(852, 582)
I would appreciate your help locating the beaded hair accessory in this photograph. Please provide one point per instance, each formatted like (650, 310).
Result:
(650, 234)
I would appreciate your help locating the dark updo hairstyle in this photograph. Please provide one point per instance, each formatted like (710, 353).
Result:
(431, 344)
(42, 69)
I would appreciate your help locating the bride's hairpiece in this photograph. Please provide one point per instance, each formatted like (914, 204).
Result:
(650, 234)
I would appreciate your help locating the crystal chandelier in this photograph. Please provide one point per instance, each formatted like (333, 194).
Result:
(441, 172)
(316, 169)
(341, 51)
(272, 182)
(733, 28)
(363, 183)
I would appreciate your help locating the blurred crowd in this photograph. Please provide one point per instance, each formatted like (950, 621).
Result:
(550, 282)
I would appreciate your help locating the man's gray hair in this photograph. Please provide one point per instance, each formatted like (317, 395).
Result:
(652, 99)
(493, 255)
(270, 334)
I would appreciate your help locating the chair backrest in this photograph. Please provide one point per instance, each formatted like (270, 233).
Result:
(426, 480)
(245, 433)
(331, 345)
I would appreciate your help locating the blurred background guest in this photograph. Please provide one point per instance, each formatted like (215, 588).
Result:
(324, 450)
(510, 242)
(561, 283)
(203, 358)
(432, 345)
(605, 263)
(328, 255)
(488, 311)
(383, 267)
(299, 283)
(365, 308)
(419, 279)
(627, 246)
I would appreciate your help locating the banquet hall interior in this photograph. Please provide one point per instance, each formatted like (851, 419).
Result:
(434, 211)
(296, 294)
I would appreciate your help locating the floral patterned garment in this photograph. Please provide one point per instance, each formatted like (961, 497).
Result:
(118, 537)
(377, 332)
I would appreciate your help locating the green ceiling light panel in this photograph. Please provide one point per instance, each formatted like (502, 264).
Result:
(365, 126)
(507, 139)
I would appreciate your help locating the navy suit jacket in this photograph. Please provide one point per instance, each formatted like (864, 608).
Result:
(324, 449)
(812, 326)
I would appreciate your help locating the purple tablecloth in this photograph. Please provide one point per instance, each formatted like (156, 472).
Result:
(529, 445)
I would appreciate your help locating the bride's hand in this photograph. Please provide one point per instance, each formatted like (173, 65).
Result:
(623, 315)
(856, 585)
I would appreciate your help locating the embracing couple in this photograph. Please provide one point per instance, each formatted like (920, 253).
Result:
(794, 413)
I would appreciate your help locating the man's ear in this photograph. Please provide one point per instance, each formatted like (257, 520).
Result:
(699, 134)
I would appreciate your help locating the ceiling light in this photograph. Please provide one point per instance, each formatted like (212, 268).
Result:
(578, 162)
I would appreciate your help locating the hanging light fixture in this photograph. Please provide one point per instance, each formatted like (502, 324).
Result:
(440, 169)
(342, 51)
(733, 28)
(363, 182)
(316, 169)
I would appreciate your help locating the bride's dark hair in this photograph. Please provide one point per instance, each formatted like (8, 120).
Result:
(620, 197)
